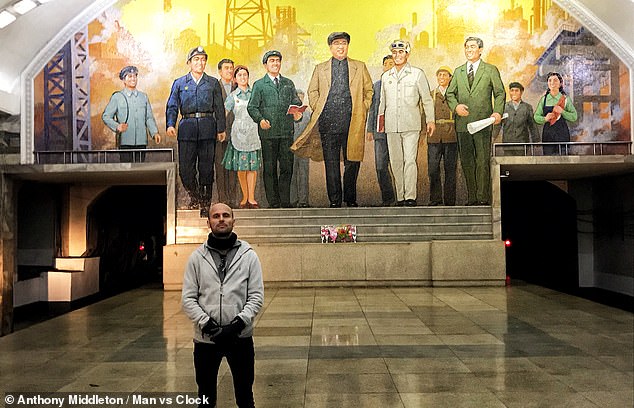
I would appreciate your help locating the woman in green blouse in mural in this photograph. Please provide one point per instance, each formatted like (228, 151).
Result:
(553, 111)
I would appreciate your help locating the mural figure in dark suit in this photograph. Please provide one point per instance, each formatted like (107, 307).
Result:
(340, 94)
(226, 180)
(381, 153)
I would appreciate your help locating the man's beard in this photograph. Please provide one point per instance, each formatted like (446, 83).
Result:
(222, 234)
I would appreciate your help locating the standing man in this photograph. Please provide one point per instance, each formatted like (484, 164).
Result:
(301, 165)
(129, 115)
(268, 107)
(381, 154)
(469, 95)
(198, 97)
(225, 179)
(222, 294)
(340, 94)
(442, 145)
(404, 90)
(519, 127)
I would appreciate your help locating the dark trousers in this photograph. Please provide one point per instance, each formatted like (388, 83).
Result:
(558, 132)
(226, 180)
(333, 144)
(132, 157)
(240, 356)
(196, 165)
(382, 162)
(475, 156)
(448, 152)
(277, 182)
(299, 181)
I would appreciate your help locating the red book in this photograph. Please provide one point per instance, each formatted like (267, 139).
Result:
(293, 109)
(380, 125)
(562, 103)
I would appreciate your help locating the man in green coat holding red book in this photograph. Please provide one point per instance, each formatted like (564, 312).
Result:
(268, 107)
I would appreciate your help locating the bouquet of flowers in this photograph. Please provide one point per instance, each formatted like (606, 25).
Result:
(338, 233)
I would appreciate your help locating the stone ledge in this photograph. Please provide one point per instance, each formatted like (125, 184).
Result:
(434, 263)
(469, 260)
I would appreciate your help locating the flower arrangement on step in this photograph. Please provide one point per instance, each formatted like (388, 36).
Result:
(338, 233)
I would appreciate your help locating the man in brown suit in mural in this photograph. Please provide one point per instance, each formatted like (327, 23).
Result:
(340, 94)
(442, 145)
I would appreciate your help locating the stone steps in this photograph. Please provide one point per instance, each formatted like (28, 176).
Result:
(301, 217)
(374, 224)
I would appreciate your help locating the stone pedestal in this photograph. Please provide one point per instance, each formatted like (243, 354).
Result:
(433, 263)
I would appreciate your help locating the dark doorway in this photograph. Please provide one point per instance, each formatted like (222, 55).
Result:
(126, 229)
(39, 232)
(540, 220)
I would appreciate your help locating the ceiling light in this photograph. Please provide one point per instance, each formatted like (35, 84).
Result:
(6, 18)
(44, 1)
(24, 6)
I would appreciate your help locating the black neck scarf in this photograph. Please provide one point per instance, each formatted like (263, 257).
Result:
(222, 243)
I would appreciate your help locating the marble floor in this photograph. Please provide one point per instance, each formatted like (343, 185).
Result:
(519, 346)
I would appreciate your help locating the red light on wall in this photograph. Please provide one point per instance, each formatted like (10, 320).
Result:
(507, 243)
(141, 247)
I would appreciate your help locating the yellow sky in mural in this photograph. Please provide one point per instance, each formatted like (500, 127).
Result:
(362, 19)
(160, 44)
(157, 41)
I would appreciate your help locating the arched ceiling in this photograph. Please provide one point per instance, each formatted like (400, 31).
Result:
(24, 41)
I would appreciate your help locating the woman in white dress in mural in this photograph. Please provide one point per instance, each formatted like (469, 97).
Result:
(244, 153)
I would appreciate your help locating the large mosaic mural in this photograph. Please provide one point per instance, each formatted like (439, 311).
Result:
(525, 39)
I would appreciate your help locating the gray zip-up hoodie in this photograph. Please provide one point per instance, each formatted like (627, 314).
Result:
(240, 294)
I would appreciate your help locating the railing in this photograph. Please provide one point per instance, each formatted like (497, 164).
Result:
(104, 156)
(563, 148)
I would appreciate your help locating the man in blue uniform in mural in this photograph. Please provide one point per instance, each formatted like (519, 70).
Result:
(198, 97)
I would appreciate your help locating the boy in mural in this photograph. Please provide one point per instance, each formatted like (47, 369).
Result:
(130, 116)
(381, 154)
(268, 106)
(340, 94)
(519, 127)
(471, 90)
(198, 97)
(442, 145)
(225, 179)
(299, 181)
(404, 89)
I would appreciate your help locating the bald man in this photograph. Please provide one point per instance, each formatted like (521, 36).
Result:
(222, 293)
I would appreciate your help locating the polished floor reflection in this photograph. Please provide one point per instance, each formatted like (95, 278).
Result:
(520, 346)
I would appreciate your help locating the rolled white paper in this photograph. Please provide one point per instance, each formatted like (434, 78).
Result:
(478, 125)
